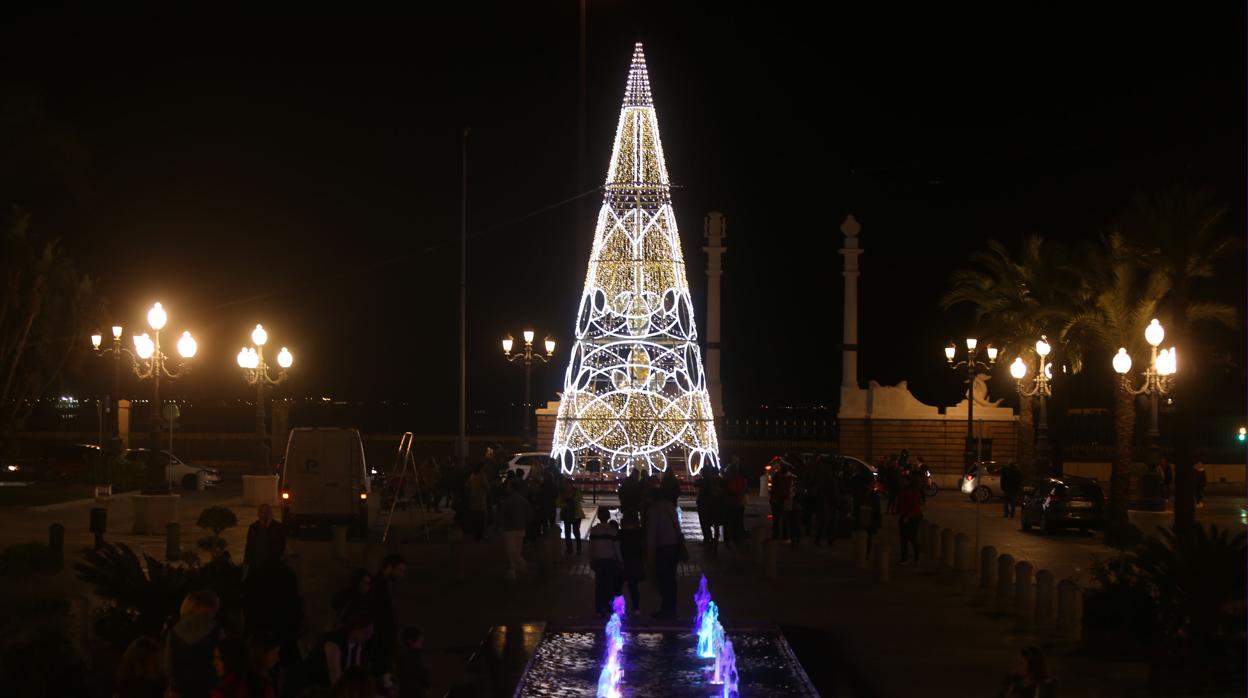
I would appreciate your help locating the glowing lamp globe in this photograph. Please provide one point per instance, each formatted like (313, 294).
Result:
(1043, 348)
(242, 358)
(1154, 333)
(259, 336)
(508, 343)
(144, 347)
(1165, 362)
(187, 346)
(550, 345)
(285, 358)
(96, 339)
(1018, 369)
(971, 343)
(157, 317)
(116, 331)
(1122, 361)
(992, 354)
(528, 336)
(950, 351)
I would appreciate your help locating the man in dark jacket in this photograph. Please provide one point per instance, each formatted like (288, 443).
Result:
(1011, 480)
(266, 540)
(189, 646)
(630, 492)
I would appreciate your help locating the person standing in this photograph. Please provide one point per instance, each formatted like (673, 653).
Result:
(777, 496)
(190, 645)
(1030, 678)
(909, 516)
(606, 560)
(869, 517)
(548, 501)
(633, 550)
(734, 506)
(664, 543)
(429, 485)
(792, 513)
(517, 515)
(478, 500)
(381, 609)
(571, 512)
(1200, 478)
(710, 503)
(354, 598)
(1011, 480)
(630, 492)
(266, 540)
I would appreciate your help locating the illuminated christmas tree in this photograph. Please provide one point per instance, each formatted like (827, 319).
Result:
(634, 394)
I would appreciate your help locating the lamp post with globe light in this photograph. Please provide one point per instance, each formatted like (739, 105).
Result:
(114, 420)
(256, 372)
(149, 362)
(1041, 386)
(970, 365)
(1161, 366)
(526, 359)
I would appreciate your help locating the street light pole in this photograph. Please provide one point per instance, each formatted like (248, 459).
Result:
(1042, 388)
(526, 359)
(1161, 366)
(256, 372)
(971, 364)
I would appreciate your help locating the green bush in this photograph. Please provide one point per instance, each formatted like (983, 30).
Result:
(216, 519)
(28, 558)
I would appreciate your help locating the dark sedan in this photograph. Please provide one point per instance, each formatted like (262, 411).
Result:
(1060, 503)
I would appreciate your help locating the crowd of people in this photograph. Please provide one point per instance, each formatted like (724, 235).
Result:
(205, 653)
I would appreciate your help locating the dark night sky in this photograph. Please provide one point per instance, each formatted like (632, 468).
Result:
(305, 172)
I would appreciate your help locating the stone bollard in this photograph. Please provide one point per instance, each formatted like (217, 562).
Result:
(860, 548)
(1067, 607)
(946, 548)
(987, 567)
(1024, 594)
(1005, 581)
(173, 540)
(883, 556)
(56, 543)
(1044, 598)
(962, 553)
(338, 542)
(771, 552)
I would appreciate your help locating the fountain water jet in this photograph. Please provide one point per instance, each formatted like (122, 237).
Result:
(728, 660)
(706, 633)
(701, 598)
(613, 671)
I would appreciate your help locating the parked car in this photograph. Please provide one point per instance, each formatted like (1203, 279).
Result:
(53, 462)
(180, 472)
(526, 461)
(983, 481)
(1063, 502)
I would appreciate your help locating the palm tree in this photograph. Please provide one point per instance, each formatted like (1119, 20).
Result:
(1116, 299)
(1015, 302)
(1179, 233)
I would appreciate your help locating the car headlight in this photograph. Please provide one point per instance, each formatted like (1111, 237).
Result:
(14, 468)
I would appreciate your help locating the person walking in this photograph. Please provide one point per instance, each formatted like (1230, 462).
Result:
(571, 513)
(1200, 478)
(478, 502)
(710, 502)
(190, 644)
(633, 550)
(139, 673)
(517, 515)
(1030, 678)
(606, 560)
(792, 531)
(869, 518)
(1011, 481)
(236, 677)
(381, 610)
(909, 516)
(548, 502)
(734, 506)
(665, 547)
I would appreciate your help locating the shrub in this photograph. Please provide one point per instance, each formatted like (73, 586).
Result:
(216, 519)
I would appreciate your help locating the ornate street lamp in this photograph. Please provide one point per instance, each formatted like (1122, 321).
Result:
(526, 358)
(114, 420)
(1041, 387)
(1161, 366)
(256, 372)
(970, 365)
(149, 362)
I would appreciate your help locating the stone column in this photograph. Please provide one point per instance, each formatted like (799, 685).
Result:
(716, 229)
(849, 350)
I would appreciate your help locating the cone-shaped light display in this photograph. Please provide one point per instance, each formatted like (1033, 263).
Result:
(634, 393)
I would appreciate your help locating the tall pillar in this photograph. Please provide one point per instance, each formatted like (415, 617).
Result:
(715, 230)
(849, 351)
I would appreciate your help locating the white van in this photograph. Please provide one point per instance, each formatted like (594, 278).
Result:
(324, 479)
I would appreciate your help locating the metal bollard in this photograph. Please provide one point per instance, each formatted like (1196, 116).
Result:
(1067, 607)
(946, 548)
(860, 549)
(1005, 581)
(173, 540)
(771, 553)
(987, 567)
(338, 542)
(1024, 595)
(883, 556)
(56, 543)
(962, 553)
(1044, 598)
